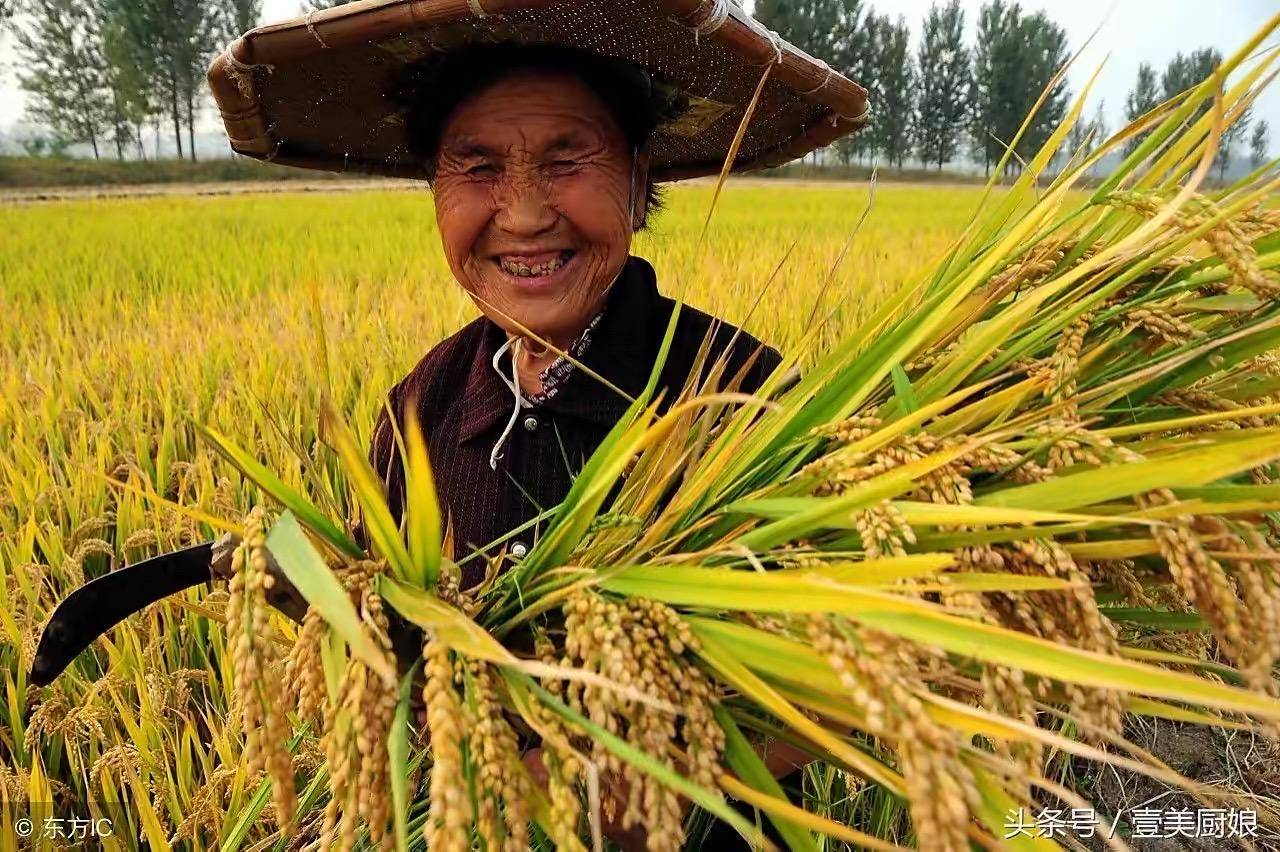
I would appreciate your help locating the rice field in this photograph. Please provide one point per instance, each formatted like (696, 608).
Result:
(128, 326)
(1019, 510)
(124, 322)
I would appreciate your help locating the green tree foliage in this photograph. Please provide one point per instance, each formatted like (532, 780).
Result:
(1142, 98)
(236, 17)
(810, 25)
(1015, 58)
(63, 70)
(1232, 137)
(172, 42)
(1043, 55)
(132, 102)
(1259, 143)
(944, 77)
(990, 80)
(895, 72)
(1181, 74)
(44, 145)
(860, 62)
(830, 29)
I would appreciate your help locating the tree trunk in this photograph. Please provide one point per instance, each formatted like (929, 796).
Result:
(142, 152)
(93, 140)
(120, 125)
(191, 122)
(177, 113)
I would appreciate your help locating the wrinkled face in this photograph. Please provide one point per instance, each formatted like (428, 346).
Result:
(532, 188)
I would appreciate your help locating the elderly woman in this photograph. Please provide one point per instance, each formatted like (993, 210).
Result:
(542, 129)
(540, 171)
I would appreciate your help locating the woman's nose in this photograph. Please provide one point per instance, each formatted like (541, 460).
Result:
(525, 209)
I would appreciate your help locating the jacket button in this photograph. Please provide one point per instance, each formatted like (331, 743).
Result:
(518, 550)
(531, 424)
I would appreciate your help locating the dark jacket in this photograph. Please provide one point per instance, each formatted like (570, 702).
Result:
(464, 407)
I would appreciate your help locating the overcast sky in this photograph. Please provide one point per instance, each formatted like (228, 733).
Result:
(1132, 31)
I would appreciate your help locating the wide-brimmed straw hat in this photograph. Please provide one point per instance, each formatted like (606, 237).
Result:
(315, 91)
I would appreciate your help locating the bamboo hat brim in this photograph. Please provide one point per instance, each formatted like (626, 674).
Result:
(313, 91)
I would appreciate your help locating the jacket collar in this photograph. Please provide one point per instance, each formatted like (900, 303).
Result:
(622, 350)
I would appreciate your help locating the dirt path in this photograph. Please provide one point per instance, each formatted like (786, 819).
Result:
(88, 193)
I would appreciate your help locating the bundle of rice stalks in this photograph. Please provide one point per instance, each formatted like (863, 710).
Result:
(978, 530)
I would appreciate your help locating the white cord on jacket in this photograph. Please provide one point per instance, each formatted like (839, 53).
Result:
(513, 343)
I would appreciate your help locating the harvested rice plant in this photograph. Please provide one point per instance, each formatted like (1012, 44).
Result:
(1022, 494)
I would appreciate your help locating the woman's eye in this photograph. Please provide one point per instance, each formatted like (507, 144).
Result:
(564, 164)
(481, 169)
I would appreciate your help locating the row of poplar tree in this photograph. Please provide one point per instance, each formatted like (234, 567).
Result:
(947, 99)
(99, 71)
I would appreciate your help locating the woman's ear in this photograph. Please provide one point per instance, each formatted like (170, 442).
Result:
(639, 188)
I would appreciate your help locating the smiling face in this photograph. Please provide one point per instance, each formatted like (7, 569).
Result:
(534, 201)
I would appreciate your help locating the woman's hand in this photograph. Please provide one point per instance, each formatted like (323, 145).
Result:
(781, 758)
(613, 795)
(281, 594)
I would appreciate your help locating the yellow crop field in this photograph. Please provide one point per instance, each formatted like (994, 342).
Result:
(124, 322)
(1022, 496)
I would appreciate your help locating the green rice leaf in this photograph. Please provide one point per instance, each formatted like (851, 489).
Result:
(711, 801)
(723, 660)
(876, 572)
(446, 623)
(383, 533)
(260, 475)
(922, 514)
(307, 571)
(422, 505)
(902, 390)
(751, 591)
(836, 509)
(973, 639)
(995, 810)
(748, 766)
(1200, 466)
(1060, 662)
(398, 756)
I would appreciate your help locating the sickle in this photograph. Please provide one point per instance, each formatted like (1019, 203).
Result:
(101, 604)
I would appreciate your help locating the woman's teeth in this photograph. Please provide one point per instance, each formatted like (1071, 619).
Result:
(524, 270)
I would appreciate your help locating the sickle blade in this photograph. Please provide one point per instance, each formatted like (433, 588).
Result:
(101, 604)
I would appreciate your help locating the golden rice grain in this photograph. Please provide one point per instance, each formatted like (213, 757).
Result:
(641, 644)
(1163, 325)
(373, 725)
(1071, 618)
(1201, 578)
(447, 828)
(879, 673)
(883, 530)
(501, 789)
(1203, 401)
(304, 678)
(265, 730)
